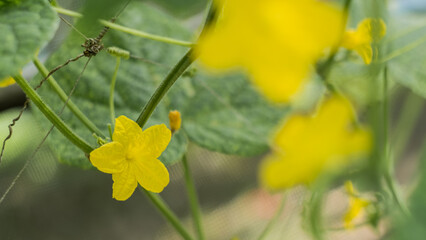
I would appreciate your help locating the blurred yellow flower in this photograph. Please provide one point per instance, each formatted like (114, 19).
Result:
(368, 31)
(356, 205)
(6, 82)
(276, 41)
(306, 146)
(131, 158)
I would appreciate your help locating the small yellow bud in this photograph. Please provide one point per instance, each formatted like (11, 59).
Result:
(175, 120)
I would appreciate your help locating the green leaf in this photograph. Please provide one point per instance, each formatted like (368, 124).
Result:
(25, 26)
(223, 113)
(408, 48)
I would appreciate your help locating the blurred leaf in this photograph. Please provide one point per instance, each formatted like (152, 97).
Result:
(408, 49)
(208, 104)
(24, 27)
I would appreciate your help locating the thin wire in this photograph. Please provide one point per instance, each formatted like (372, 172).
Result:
(72, 26)
(122, 9)
(150, 61)
(12, 184)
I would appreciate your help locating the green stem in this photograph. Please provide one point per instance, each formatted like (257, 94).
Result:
(274, 219)
(159, 93)
(52, 116)
(387, 160)
(315, 214)
(167, 213)
(67, 12)
(145, 34)
(111, 91)
(70, 104)
(193, 200)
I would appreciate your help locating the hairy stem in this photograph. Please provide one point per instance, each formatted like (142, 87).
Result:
(164, 87)
(67, 12)
(52, 116)
(70, 104)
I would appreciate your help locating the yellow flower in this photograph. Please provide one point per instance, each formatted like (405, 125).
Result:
(356, 205)
(368, 31)
(175, 120)
(276, 41)
(131, 158)
(6, 82)
(306, 146)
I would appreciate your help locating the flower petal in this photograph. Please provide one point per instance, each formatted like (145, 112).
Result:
(280, 172)
(124, 184)
(251, 37)
(280, 79)
(151, 174)
(126, 131)
(109, 158)
(154, 140)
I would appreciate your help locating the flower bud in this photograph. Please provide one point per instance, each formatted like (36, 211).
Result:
(175, 120)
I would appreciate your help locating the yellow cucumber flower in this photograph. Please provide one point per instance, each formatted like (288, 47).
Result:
(275, 41)
(6, 82)
(131, 158)
(306, 146)
(368, 31)
(356, 205)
